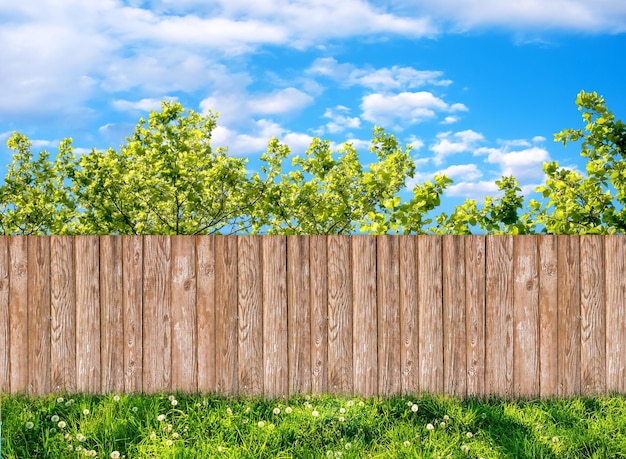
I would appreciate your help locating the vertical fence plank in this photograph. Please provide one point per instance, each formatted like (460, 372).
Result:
(430, 305)
(250, 301)
(475, 314)
(63, 312)
(205, 310)
(592, 311)
(87, 263)
(388, 276)
(277, 374)
(18, 312)
(548, 321)
(569, 315)
(408, 315)
(365, 316)
(157, 315)
(499, 316)
(132, 302)
(318, 267)
(226, 314)
(526, 316)
(5, 336)
(38, 315)
(454, 320)
(615, 263)
(111, 314)
(184, 338)
(298, 314)
(339, 315)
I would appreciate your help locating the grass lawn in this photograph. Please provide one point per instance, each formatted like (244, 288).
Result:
(199, 426)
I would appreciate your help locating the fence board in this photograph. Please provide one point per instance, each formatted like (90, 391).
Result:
(39, 315)
(340, 364)
(157, 313)
(86, 261)
(205, 310)
(365, 316)
(132, 303)
(297, 354)
(318, 266)
(278, 347)
(63, 312)
(615, 259)
(548, 323)
(18, 312)
(430, 293)
(226, 314)
(5, 317)
(526, 317)
(454, 320)
(409, 338)
(475, 314)
(111, 314)
(499, 316)
(183, 291)
(593, 313)
(568, 315)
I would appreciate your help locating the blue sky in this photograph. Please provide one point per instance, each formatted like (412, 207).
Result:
(478, 87)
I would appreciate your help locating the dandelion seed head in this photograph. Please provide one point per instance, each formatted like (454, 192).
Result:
(446, 417)
(229, 411)
(464, 448)
(350, 403)
(169, 442)
(260, 424)
(469, 434)
(315, 413)
(153, 436)
(276, 410)
(348, 445)
(54, 418)
(161, 417)
(29, 425)
(414, 408)
(342, 419)
(175, 435)
(443, 425)
(288, 410)
(342, 410)
(174, 402)
(116, 398)
(60, 400)
(429, 426)
(80, 437)
(134, 409)
(555, 439)
(61, 424)
(115, 455)
(407, 444)
(85, 411)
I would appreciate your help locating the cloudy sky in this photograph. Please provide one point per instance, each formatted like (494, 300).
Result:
(478, 87)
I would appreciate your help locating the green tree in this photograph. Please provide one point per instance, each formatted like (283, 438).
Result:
(36, 196)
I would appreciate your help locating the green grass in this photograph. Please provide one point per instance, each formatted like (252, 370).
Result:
(199, 426)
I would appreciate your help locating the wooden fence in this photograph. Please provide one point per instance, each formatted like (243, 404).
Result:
(521, 316)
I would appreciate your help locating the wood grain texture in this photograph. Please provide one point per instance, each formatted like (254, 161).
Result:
(18, 312)
(63, 313)
(593, 315)
(184, 337)
(132, 304)
(87, 263)
(365, 348)
(409, 325)
(475, 314)
(5, 317)
(278, 350)
(318, 266)
(340, 364)
(499, 316)
(430, 306)
(297, 311)
(548, 318)
(157, 315)
(568, 304)
(526, 317)
(615, 263)
(205, 310)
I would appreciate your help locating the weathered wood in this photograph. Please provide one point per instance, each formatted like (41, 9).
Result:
(295, 360)
(365, 316)
(430, 306)
(526, 317)
(409, 338)
(226, 359)
(475, 314)
(183, 291)
(157, 315)
(568, 315)
(18, 313)
(250, 313)
(340, 364)
(278, 351)
(615, 265)
(318, 266)
(63, 313)
(5, 335)
(111, 314)
(132, 304)
(548, 321)
(499, 316)
(205, 312)
(593, 314)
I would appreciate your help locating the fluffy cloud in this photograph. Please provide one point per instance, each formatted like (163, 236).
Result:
(449, 143)
(526, 165)
(143, 105)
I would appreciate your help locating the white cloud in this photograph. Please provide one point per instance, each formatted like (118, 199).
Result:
(526, 165)
(143, 105)
(339, 121)
(473, 190)
(279, 102)
(449, 143)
